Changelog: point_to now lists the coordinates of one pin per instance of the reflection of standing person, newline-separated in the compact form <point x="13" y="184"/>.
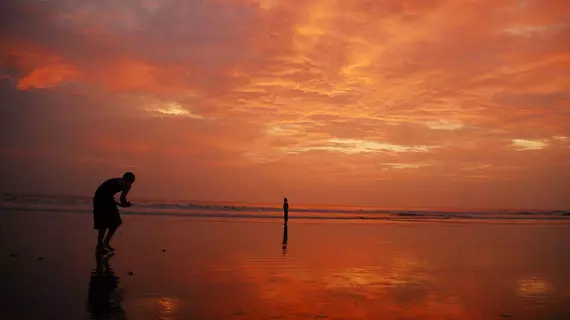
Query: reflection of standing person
<point x="285" y="210"/>
<point x="284" y="247"/>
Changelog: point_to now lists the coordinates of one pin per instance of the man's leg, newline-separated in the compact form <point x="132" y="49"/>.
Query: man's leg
<point x="108" y="238"/>
<point x="115" y="221"/>
<point x="100" y="236"/>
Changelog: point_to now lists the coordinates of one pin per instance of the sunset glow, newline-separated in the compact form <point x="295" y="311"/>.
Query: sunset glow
<point x="435" y="103"/>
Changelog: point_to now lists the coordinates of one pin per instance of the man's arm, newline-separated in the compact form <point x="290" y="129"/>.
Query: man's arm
<point x="123" y="198"/>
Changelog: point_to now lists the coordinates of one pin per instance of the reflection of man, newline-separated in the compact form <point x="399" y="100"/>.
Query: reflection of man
<point x="105" y="299"/>
<point x="285" y="210"/>
<point x="285" y="240"/>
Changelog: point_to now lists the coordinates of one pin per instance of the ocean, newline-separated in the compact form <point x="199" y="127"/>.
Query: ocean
<point x="212" y="210"/>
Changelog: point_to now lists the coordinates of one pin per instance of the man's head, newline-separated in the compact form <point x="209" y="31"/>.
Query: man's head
<point x="285" y="199"/>
<point x="129" y="177"/>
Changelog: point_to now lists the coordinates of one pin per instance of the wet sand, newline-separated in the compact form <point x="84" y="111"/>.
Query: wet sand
<point x="241" y="270"/>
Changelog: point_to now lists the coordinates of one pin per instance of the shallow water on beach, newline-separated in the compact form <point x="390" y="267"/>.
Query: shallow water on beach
<point x="184" y="268"/>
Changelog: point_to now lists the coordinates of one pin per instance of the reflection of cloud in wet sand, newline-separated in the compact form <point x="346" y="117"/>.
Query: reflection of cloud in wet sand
<point x="401" y="270"/>
<point x="168" y="305"/>
<point x="161" y="307"/>
<point x="396" y="287"/>
<point x="532" y="286"/>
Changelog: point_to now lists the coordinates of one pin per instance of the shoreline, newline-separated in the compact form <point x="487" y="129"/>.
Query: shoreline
<point x="299" y="207"/>
<point x="270" y="217"/>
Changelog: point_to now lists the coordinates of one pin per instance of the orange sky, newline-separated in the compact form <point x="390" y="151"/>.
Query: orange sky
<point x="434" y="103"/>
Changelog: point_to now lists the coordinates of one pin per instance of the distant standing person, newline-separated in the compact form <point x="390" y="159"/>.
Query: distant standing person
<point x="105" y="212"/>
<point x="285" y="210"/>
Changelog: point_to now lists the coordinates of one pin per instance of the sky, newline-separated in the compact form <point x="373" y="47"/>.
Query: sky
<point x="434" y="103"/>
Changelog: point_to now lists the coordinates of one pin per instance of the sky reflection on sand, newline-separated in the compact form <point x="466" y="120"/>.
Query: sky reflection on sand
<point x="214" y="270"/>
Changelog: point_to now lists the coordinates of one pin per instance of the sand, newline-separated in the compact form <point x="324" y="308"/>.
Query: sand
<point x="188" y="268"/>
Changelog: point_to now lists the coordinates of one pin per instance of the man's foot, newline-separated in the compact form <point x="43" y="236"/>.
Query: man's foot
<point x="108" y="247"/>
<point x="101" y="249"/>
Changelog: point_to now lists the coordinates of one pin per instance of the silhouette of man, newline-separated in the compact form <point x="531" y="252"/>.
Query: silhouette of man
<point x="105" y="211"/>
<point x="285" y="210"/>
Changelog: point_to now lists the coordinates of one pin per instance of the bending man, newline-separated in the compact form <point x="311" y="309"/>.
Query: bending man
<point x="105" y="211"/>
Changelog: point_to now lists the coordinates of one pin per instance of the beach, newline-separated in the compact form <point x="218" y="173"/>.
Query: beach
<point x="175" y="267"/>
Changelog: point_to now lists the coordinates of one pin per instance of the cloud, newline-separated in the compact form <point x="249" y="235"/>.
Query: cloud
<point x="444" y="125"/>
<point x="173" y="109"/>
<point x="404" y="165"/>
<point x="523" y="144"/>
<point x="362" y="146"/>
